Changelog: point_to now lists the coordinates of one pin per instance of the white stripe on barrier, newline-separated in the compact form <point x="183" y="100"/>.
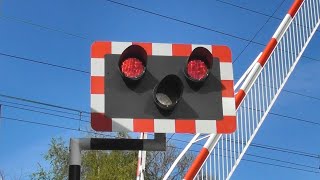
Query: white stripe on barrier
<point x="119" y="47"/>
<point x="206" y="126"/>
<point x="97" y="67"/>
<point x="97" y="103"/>
<point x="122" y="124"/>
<point x="282" y="27"/>
<point x="228" y="106"/>
<point x="161" y="49"/>
<point x="226" y="71"/>
<point x="162" y="125"/>
<point x="251" y="77"/>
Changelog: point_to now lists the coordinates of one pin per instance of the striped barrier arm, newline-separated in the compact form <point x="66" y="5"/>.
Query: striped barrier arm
<point x="221" y="154"/>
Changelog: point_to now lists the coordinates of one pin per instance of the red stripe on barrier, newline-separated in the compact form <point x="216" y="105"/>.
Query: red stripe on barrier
<point x="267" y="51"/>
<point x="239" y="97"/>
<point x="185" y="126"/>
<point x="227" y="88"/>
<point x="222" y="52"/>
<point x="143" y="125"/>
<point x="97" y="84"/>
<point x="146" y="46"/>
<point x="226" y="125"/>
<point x="181" y="49"/>
<point x="99" y="122"/>
<point x="197" y="164"/>
<point x="294" y="8"/>
<point x="100" y="49"/>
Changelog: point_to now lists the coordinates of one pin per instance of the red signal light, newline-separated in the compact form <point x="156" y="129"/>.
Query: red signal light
<point x="133" y="64"/>
<point x="197" y="69"/>
<point x="132" y="68"/>
<point x="198" y="66"/>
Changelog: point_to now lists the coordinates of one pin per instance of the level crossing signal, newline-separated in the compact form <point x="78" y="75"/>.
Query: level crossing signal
<point x="162" y="88"/>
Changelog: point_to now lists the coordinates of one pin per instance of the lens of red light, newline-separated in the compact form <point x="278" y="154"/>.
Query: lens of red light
<point x="132" y="68"/>
<point x="197" y="69"/>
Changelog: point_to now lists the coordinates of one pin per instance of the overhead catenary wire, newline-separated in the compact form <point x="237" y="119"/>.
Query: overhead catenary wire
<point x="37" y="107"/>
<point x="46" y="113"/>
<point x="250" y="10"/>
<point x="87" y="72"/>
<point x="42" y="26"/>
<point x="191" y="24"/>
<point x="75" y="110"/>
<point x="90" y="132"/>
<point x="43" y="103"/>
<point x="256" y="34"/>
<point x="171" y="138"/>
<point x="43" y="63"/>
<point x="313" y="169"/>
<point x="254" y="145"/>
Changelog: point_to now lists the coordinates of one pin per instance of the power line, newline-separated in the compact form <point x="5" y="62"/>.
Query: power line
<point x="191" y="24"/>
<point x="253" y="144"/>
<point x="253" y="11"/>
<point x="153" y="13"/>
<point x="41" y="112"/>
<point x="43" y="63"/>
<point x="47" y="109"/>
<point x="285" y="150"/>
<point x="171" y="138"/>
<point x="277" y="165"/>
<point x="178" y="20"/>
<point x="42" y="26"/>
<point x="255" y="35"/>
<point x="282" y="161"/>
<point x="42" y="103"/>
<point x="247" y="9"/>
<point x="271" y="164"/>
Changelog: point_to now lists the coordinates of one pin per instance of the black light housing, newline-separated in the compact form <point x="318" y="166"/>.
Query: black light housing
<point x="132" y="63"/>
<point x="198" y="66"/>
<point x="168" y="92"/>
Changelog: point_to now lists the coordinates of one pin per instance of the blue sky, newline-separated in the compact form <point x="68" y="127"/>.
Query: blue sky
<point x="22" y="33"/>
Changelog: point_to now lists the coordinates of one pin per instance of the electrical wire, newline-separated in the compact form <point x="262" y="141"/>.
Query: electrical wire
<point x="192" y="24"/>
<point x="253" y="144"/>
<point x="41" y="112"/>
<point x="271" y="164"/>
<point x="283" y="166"/>
<point x="90" y="132"/>
<point x="43" y="63"/>
<point x="42" y="26"/>
<point x="253" y="11"/>
<point x="36" y="107"/>
<point x="42" y="103"/>
<point x="256" y="34"/>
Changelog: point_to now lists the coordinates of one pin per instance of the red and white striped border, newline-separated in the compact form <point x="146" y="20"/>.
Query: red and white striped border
<point x="257" y="68"/>
<point x="100" y="122"/>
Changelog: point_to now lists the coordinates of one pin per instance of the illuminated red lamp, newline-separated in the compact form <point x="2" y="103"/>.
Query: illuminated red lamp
<point x="197" y="69"/>
<point x="132" y="68"/>
<point x="198" y="65"/>
<point x="133" y="63"/>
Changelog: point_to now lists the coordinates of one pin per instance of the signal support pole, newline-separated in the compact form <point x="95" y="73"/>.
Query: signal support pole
<point x="77" y="145"/>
